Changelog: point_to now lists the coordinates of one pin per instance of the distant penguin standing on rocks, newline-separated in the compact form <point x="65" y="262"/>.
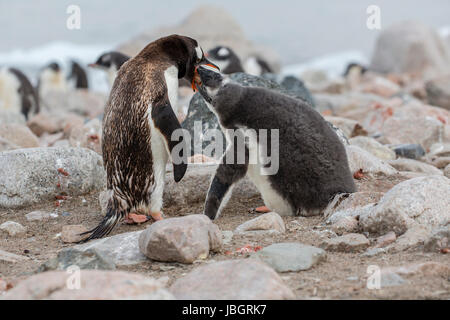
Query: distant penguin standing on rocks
<point x="17" y="94"/>
<point x="137" y="129"/>
<point x="256" y="66"/>
<point x="226" y="59"/>
<point x="310" y="166"/>
<point x="78" y="76"/>
<point x="51" y="78"/>
<point x="110" y="62"/>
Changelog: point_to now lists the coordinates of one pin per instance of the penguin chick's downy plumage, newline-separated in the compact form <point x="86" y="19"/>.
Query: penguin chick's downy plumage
<point x="312" y="162"/>
<point x="79" y="76"/>
<point x="51" y="78"/>
<point x="17" y="94"/>
<point x="138" y="126"/>
<point x="226" y="59"/>
<point x="110" y="62"/>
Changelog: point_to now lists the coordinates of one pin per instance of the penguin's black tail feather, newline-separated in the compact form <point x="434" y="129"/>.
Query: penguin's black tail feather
<point x="105" y="226"/>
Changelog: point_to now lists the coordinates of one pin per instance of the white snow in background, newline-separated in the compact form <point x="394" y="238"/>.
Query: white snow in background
<point x="333" y="64"/>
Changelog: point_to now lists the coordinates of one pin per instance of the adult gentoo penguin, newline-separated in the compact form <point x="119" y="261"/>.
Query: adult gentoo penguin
<point x="78" y="75"/>
<point x="226" y="59"/>
<point x="17" y="94"/>
<point x="301" y="176"/>
<point x="138" y="126"/>
<point x="110" y="62"/>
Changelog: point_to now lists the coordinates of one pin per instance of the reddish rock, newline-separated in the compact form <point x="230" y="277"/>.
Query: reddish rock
<point x="183" y="239"/>
<point x="246" y="279"/>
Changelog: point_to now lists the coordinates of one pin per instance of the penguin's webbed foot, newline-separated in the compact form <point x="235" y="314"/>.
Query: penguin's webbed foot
<point x="262" y="209"/>
<point x="133" y="218"/>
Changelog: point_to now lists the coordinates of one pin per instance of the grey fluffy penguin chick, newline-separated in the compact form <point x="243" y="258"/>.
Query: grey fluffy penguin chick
<point x="311" y="165"/>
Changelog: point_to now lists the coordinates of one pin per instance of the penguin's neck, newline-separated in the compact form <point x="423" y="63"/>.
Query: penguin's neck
<point x="171" y="77"/>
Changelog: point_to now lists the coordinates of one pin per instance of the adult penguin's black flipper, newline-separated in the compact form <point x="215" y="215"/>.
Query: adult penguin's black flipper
<point x="167" y="123"/>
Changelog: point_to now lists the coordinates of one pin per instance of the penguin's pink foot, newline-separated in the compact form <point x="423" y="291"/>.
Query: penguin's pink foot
<point x="263" y="209"/>
<point x="134" y="218"/>
<point x="156" y="215"/>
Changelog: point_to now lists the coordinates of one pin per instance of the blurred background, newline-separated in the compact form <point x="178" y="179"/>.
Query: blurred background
<point x="34" y="33"/>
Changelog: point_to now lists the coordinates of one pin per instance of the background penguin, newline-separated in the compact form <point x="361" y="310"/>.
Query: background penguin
<point x="226" y="59"/>
<point x="110" y="62"/>
<point x="51" y="78"/>
<point x="138" y="126"/>
<point x="78" y="75"/>
<point x="354" y="67"/>
<point x="17" y="94"/>
<point x="256" y="66"/>
<point x="313" y="165"/>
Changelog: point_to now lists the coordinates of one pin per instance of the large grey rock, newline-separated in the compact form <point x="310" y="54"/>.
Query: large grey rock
<point x="247" y="279"/>
<point x="198" y="112"/>
<point x="83" y="259"/>
<point x="359" y="159"/>
<point x="410" y="47"/>
<point x="424" y="201"/>
<point x="297" y="88"/>
<point x="183" y="239"/>
<point x="29" y="176"/>
<point x="286" y="257"/>
<point x="121" y="249"/>
<point x="93" y="285"/>
<point x="447" y="171"/>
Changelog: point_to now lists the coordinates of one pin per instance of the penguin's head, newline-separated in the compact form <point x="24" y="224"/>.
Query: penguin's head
<point x="354" y="67"/>
<point x="226" y="59"/>
<point x="111" y="59"/>
<point x="186" y="53"/>
<point x="208" y="83"/>
<point x="53" y="66"/>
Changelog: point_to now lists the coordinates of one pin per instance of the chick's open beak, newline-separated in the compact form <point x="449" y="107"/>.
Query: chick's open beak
<point x="196" y="79"/>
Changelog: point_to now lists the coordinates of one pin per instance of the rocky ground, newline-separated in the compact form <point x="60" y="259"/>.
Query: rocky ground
<point x="389" y="240"/>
